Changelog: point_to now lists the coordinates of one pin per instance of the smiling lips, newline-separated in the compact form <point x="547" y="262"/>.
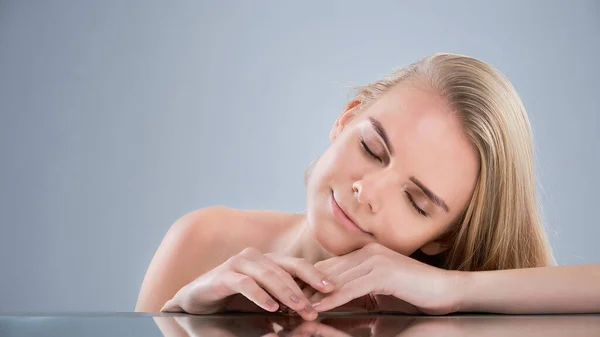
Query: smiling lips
<point x="342" y="218"/>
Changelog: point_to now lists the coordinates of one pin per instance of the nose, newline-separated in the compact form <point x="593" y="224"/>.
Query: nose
<point x="371" y="189"/>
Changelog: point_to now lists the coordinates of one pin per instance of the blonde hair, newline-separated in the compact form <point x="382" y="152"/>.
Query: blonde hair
<point x="501" y="228"/>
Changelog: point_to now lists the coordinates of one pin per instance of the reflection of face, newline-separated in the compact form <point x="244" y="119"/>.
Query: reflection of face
<point x="392" y="197"/>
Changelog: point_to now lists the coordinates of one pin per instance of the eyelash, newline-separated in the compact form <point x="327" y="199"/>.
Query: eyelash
<point x="374" y="156"/>
<point x="420" y="211"/>
<point x="369" y="152"/>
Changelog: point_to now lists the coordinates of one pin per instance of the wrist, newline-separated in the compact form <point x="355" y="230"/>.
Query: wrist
<point x="461" y="281"/>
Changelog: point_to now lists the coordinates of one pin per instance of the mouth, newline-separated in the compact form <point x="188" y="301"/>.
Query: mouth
<point x="342" y="217"/>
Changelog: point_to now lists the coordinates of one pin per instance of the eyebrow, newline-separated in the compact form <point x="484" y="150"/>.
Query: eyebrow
<point x="436" y="200"/>
<point x="381" y="131"/>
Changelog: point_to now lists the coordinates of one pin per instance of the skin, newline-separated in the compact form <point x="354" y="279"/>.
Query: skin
<point x="428" y="144"/>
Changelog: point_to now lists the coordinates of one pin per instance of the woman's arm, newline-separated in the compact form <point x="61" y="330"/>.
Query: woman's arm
<point x="396" y="280"/>
<point x="563" y="289"/>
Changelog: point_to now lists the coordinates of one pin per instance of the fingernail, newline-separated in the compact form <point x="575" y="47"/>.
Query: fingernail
<point x="271" y="303"/>
<point x="316" y="304"/>
<point x="295" y="298"/>
<point x="326" y="282"/>
<point x="309" y="309"/>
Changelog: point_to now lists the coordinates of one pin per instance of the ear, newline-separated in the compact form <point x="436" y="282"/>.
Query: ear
<point x="346" y="116"/>
<point x="434" y="247"/>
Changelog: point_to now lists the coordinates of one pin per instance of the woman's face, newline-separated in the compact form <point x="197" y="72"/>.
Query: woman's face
<point x="402" y="170"/>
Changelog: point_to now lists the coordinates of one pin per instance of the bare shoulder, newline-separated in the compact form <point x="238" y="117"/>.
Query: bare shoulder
<point x="230" y="226"/>
<point x="214" y="233"/>
<point x="205" y="222"/>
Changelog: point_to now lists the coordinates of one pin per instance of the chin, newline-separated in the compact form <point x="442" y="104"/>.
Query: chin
<point x="329" y="235"/>
<point x="336" y="249"/>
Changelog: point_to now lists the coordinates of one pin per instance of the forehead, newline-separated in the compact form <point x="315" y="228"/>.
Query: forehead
<point x="429" y="142"/>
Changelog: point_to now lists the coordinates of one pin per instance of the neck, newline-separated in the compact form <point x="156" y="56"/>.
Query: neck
<point x="300" y="242"/>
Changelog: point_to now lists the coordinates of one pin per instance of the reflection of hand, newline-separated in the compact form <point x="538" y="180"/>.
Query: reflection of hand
<point x="257" y="277"/>
<point x="316" y="329"/>
<point x="280" y="326"/>
<point x="394" y="282"/>
<point x="379" y="326"/>
<point x="363" y="326"/>
<point x="323" y="326"/>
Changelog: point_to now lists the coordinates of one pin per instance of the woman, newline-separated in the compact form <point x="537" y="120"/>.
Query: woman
<point x="434" y="162"/>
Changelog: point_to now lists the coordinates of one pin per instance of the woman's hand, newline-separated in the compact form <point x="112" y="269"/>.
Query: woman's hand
<point x="261" y="278"/>
<point x="394" y="282"/>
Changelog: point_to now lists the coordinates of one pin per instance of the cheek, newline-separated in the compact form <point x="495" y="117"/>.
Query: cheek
<point x="335" y="162"/>
<point x="403" y="233"/>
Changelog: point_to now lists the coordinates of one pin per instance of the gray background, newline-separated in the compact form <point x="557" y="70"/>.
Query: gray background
<point x="117" y="117"/>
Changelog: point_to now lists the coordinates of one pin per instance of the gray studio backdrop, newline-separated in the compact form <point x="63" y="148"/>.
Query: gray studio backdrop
<point x="117" y="117"/>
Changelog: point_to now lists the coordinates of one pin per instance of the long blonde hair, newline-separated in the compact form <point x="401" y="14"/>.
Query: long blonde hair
<point x="501" y="228"/>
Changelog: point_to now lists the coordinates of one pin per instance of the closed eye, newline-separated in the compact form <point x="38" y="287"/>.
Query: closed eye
<point x="414" y="205"/>
<point x="368" y="151"/>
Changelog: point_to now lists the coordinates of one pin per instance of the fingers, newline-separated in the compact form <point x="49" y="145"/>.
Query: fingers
<point x="339" y="264"/>
<point x="348" y="274"/>
<point x="306" y="273"/>
<point x="347" y="292"/>
<point x="356" y="256"/>
<point x="268" y="279"/>
<point x="276" y="281"/>
<point x="349" y="267"/>
<point x="325" y="264"/>
<point x="248" y="287"/>
<point x="343" y="278"/>
<point x="275" y="274"/>
<point x="303" y="270"/>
